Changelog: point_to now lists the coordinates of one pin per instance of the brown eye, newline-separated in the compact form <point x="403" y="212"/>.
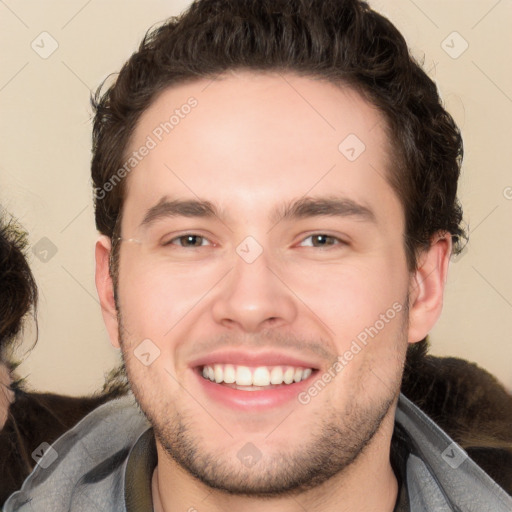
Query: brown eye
<point x="188" y="240"/>
<point x="322" y="240"/>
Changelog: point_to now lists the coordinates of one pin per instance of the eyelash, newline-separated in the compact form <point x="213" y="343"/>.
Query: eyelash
<point x="338" y="240"/>
<point x="169" y="242"/>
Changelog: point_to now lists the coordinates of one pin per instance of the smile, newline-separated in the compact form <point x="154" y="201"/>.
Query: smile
<point x="253" y="388"/>
<point x="252" y="378"/>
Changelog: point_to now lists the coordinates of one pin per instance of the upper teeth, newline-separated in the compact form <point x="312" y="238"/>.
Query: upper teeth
<point x="255" y="376"/>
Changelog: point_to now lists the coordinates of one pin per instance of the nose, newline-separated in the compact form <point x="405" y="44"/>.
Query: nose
<point x="254" y="297"/>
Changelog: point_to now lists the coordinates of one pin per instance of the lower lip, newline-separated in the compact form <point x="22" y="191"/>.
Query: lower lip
<point x="253" y="400"/>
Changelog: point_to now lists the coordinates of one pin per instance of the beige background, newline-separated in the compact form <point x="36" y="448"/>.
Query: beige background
<point x="45" y="155"/>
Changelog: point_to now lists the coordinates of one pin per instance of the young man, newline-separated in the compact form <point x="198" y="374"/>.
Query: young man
<point x="275" y="187"/>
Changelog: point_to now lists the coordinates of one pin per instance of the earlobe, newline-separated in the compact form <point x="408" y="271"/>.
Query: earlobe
<point x="427" y="287"/>
<point x="105" y="288"/>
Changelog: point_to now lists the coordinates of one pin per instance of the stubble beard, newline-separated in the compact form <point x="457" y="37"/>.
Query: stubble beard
<point x="334" y="442"/>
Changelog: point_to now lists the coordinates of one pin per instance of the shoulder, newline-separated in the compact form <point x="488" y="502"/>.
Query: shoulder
<point x="439" y="472"/>
<point x="84" y="468"/>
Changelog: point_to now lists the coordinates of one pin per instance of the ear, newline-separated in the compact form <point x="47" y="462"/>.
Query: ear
<point x="427" y="286"/>
<point x="105" y="288"/>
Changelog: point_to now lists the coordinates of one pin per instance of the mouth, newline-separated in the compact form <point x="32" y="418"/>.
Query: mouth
<point x="254" y="378"/>
<point x="253" y="388"/>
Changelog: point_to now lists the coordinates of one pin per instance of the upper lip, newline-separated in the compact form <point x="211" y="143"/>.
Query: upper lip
<point x="244" y="358"/>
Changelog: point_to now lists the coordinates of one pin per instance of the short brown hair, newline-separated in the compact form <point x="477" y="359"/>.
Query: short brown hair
<point x="342" y="41"/>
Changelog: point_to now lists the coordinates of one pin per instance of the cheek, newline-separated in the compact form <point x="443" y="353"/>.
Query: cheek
<point x="352" y="295"/>
<point x="154" y="296"/>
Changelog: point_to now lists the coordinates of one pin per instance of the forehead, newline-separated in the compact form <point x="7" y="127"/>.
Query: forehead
<point x="248" y="141"/>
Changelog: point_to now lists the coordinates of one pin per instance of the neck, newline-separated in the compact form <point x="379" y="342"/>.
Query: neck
<point x="6" y="393"/>
<point x="370" y="476"/>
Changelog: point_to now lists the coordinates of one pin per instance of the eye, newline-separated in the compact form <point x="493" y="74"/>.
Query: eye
<point x="322" y="240"/>
<point x="188" y="240"/>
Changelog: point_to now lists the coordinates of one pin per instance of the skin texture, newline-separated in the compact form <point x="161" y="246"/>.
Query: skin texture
<point x="252" y="144"/>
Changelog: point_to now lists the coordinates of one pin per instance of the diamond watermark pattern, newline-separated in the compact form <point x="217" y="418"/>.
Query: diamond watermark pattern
<point x="146" y="352"/>
<point x="454" y="455"/>
<point x="45" y="455"/>
<point x="249" y="249"/>
<point x="351" y="147"/>
<point x="44" y="45"/>
<point x="454" y="45"/>
<point x="249" y="455"/>
<point x="45" y="249"/>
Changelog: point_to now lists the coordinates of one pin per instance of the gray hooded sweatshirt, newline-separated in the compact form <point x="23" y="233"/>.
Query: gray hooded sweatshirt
<point x="105" y="463"/>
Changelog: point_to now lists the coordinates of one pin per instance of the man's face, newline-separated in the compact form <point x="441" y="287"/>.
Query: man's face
<point x="247" y="287"/>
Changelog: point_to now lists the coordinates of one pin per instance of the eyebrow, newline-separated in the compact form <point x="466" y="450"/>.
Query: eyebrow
<point x="179" y="208"/>
<point x="323" y="206"/>
<point x="302" y="208"/>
